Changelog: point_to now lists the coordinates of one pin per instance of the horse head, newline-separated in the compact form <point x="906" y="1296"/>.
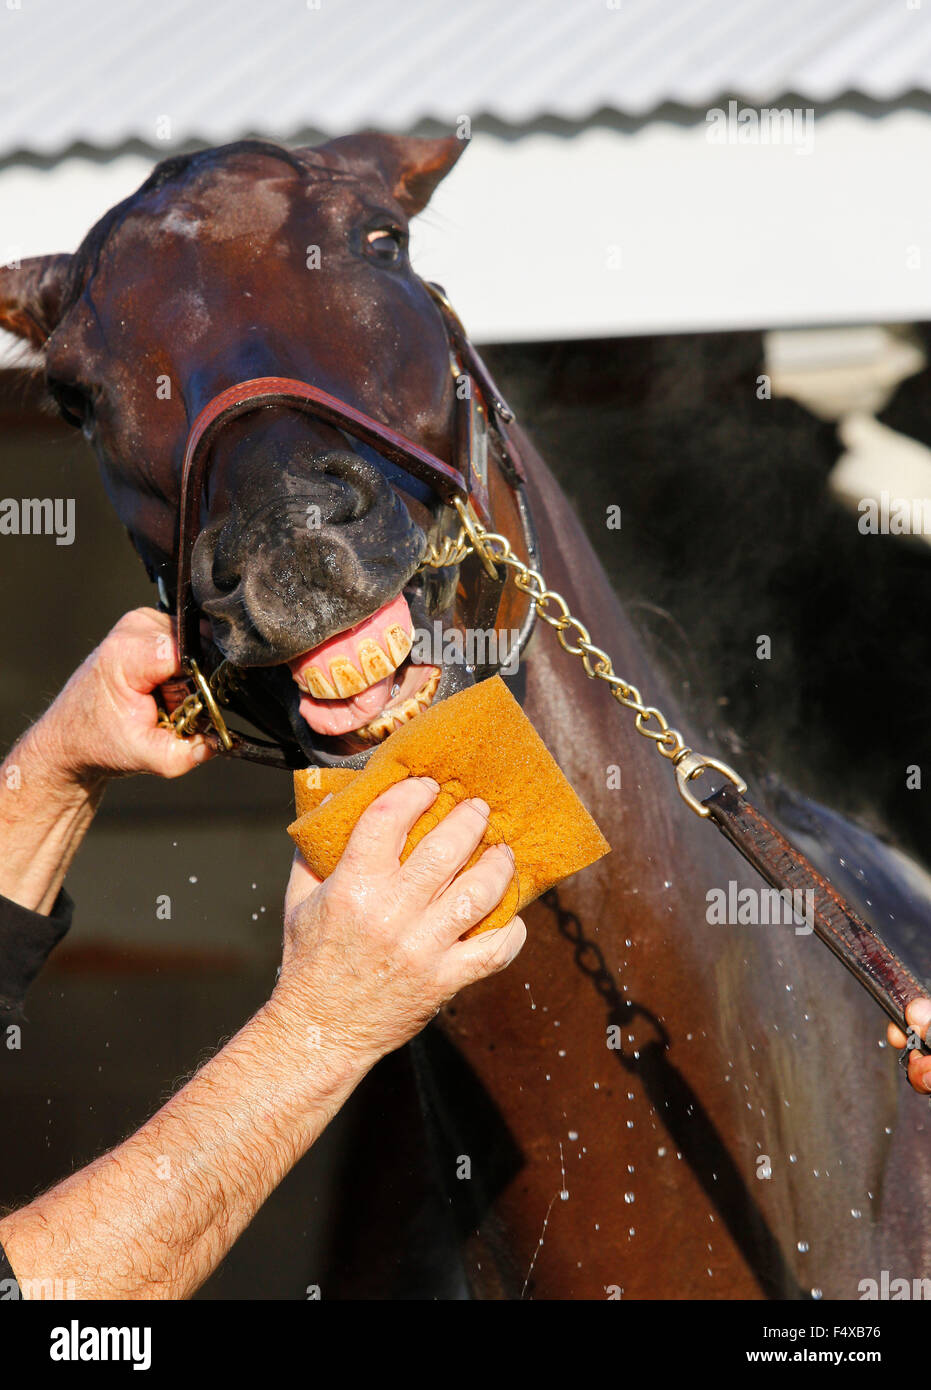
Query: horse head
<point x="249" y="261"/>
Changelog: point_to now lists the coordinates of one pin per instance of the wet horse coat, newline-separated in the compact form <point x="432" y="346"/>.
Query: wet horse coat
<point x="644" y="1098"/>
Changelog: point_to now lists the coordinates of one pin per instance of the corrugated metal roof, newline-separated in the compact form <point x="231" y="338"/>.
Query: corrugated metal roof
<point x="102" y="72"/>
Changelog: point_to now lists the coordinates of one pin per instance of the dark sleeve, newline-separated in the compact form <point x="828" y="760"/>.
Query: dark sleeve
<point x="26" y="938"/>
<point x="8" y="1282"/>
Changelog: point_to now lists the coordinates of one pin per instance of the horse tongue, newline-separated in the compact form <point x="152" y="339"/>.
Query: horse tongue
<point x="336" y="717"/>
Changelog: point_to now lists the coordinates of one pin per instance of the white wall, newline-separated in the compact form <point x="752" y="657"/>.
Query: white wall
<point x="707" y="236"/>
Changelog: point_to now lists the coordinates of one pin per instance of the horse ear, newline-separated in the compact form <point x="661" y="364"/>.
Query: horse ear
<point x="31" y="296"/>
<point x="410" y="165"/>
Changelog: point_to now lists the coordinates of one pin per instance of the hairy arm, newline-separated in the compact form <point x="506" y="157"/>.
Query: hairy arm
<point x="154" y="1217"/>
<point x="43" y="819"/>
<point x="369" y="958"/>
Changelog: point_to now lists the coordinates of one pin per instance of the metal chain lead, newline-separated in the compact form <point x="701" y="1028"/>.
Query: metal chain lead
<point x="571" y="634"/>
<point x="205" y="700"/>
<point x="574" y="637"/>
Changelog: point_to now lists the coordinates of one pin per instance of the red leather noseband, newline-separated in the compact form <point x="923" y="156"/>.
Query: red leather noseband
<point x="448" y="482"/>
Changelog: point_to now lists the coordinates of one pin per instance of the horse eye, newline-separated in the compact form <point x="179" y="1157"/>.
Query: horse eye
<point x="73" y="403"/>
<point x="385" y="245"/>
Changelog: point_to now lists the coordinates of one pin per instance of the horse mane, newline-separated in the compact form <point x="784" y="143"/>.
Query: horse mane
<point x="85" y="260"/>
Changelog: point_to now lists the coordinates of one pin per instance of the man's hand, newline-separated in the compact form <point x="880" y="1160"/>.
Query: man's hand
<point x="372" y="954"/>
<point x="105" y="722"/>
<point x="918" y="1017"/>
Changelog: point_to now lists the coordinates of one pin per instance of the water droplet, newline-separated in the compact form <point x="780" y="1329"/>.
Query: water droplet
<point x="628" y="1197"/>
<point x="816" y="1293"/>
<point x="573" y="1134"/>
<point x="793" y="1158"/>
<point x="193" y="878"/>
<point x="856" y="1213"/>
<point x="661" y="1152"/>
<point x="802" y="1247"/>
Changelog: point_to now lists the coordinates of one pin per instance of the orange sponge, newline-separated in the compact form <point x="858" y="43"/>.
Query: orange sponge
<point x="313" y="784"/>
<point x="480" y="743"/>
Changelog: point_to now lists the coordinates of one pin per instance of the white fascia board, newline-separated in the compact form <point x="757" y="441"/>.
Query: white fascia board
<point x="607" y="234"/>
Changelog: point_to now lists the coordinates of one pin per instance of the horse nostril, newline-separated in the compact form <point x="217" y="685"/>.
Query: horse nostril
<point x="342" y="500"/>
<point x="225" y="573"/>
<point x="225" y="584"/>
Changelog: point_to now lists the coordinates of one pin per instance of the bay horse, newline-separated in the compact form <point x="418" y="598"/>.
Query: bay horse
<point x="647" y="1104"/>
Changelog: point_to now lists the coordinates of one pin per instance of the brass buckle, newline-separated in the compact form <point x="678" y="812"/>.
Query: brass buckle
<point x="209" y="701"/>
<point x="689" y="766"/>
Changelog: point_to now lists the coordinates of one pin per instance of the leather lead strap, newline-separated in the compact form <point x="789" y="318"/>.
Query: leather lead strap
<point x="854" y="943"/>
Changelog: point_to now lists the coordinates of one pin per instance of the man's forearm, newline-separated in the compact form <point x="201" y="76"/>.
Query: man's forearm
<point x="154" y="1217"/>
<point x="44" y="816"/>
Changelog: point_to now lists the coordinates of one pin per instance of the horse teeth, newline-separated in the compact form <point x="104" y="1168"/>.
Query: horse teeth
<point x="424" y="696"/>
<point x="398" y="642"/>
<point x="318" y="685"/>
<point x="379" y="728"/>
<point x="389" y="720"/>
<point x="374" y="662"/>
<point x="346" y="678"/>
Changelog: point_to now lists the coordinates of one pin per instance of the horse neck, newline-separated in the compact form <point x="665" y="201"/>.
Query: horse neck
<point x="587" y="731"/>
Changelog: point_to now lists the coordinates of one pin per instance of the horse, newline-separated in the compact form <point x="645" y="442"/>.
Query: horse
<point x="649" y="1103"/>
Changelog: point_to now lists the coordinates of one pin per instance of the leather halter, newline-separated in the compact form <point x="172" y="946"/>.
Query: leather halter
<point x="481" y="409"/>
